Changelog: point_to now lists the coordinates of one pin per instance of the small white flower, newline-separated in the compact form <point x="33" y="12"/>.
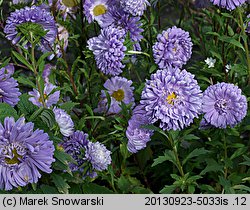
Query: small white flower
<point x="210" y="62"/>
<point x="228" y="67"/>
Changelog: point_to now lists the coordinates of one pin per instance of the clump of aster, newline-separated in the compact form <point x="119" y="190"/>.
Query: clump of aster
<point x="134" y="7"/>
<point x="64" y="121"/>
<point x="49" y="97"/>
<point x="173" y="98"/>
<point x="64" y="7"/>
<point x="9" y="91"/>
<point x="138" y="136"/>
<point x="98" y="155"/>
<point x="228" y="4"/>
<point x="23" y="153"/>
<point x="29" y="18"/>
<point x="223" y="105"/>
<point x="174" y="48"/>
<point x="98" y="10"/>
<point x="109" y="50"/>
<point x="120" y="90"/>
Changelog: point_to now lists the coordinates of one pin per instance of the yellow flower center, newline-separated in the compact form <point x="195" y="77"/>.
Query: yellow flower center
<point x="44" y="96"/>
<point x="118" y="95"/>
<point x="15" y="159"/>
<point x="69" y="3"/>
<point x="171" y="97"/>
<point x="99" y="10"/>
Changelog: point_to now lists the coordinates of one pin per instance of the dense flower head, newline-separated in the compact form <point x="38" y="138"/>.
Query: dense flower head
<point x="64" y="121"/>
<point x="49" y="97"/>
<point x="23" y="153"/>
<point x="134" y="7"/>
<point x="109" y="50"/>
<point x="174" y="48"/>
<point x="36" y="15"/>
<point x="228" y="4"/>
<point x="98" y="10"/>
<point x="9" y="91"/>
<point x="75" y="146"/>
<point x="172" y="97"/>
<point x="138" y="136"/>
<point x="98" y="155"/>
<point x="120" y="90"/>
<point x="223" y="105"/>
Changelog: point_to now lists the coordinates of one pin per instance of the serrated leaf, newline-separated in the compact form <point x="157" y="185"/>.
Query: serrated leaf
<point x="68" y="106"/>
<point x="7" y="111"/>
<point x="212" y="165"/>
<point x="60" y="184"/>
<point x="48" y="117"/>
<point x="25" y="106"/>
<point x="168" y="156"/>
<point x="196" y="152"/>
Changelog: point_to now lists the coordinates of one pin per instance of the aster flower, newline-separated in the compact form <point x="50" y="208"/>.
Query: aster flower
<point x="98" y="155"/>
<point x="98" y="10"/>
<point x="120" y="90"/>
<point x="9" y="91"/>
<point x="23" y="153"/>
<point x="228" y="4"/>
<point x="210" y="62"/>
<point x="49" y="98"/>
<point x="64" y="7"/>
<point x="138" y="136"/>
<point x="172" y="97"/>
<point x="134" y="7"/>
<point x="224" y="105"/>
<point x="37" y="16"/>
<point x="46" y="72"/>
<point x="64" y="121"/>
<point x="109" y="50"/>
<point x="75" y="146"/>
<point x="174" y="47"/>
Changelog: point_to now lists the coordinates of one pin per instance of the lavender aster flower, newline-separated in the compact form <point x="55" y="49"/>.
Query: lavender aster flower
<point x="120" y="90"/>
<point x="174" y="47"/>
<point x="64" y="121"/>
<point x="172" y="97"/>
<point x="98" y="155"/>
<point x="228" y="4"/>
<point x="33" y="15"/>
<point x="109" y="50"/>
<point x="98" y="10"/>
<point x="46" y="72"/>
<point x="49" y="98"/>
<point x="137" y="136"/>
<point x="75" y="146"/>
<point x="134" y="7"/>
<point x="224" y="105"/>
<point x="9" y="92"/>
<point x="23" y="153"/>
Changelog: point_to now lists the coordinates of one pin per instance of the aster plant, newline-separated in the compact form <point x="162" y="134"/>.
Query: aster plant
<point x="24" y="153"/>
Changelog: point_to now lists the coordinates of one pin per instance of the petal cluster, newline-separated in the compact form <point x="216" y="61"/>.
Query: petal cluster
<point x="228" y="4"/>
<point x="134" y="7"/>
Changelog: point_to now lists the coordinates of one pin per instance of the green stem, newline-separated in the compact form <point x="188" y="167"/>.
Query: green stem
<point x="245" y="42"/>
<point x="225" y="155"/>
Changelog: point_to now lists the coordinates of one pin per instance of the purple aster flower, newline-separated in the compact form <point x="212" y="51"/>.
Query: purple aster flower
<point x="75" y="146"/>
<point x="172" y="97"/>
<point x="46" y="72"/>
<point x="174" y="48"/>
<point x="120" y="90"/>
<point x="35" y="15"/>
<point x="23" y="153"/>
<point x="138" y="136"/>
<point x="64" y="7"/>
<point x="98" y="155"/>
<point x="228" y="4"/>
<point x="134" y="7"/>
<point x="50" y="98"/>
<point x="224" y="105"/>
<point x="9" y="91"/>
<point x="109" y="50"/>
<point x="64" y="121"/>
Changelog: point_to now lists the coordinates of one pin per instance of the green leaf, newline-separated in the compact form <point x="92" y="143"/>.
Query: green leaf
<point x="60" y="183"/>
<point x="42" y="58"/>
<point x="68" y="106"/>
<point x="212" y="165"/>
<point x="92" y="188"/>
<point x="48" y="117"/>
<point x="241" y="187"/>
<point x="238" y="152"/>
<point x="26" y="81"/>
<point x="196" y="152"/>
<point x="246" y="162"/>
<point x="168" y="189"/>
<point x="232" y="41"/>
<point x="7" y="111"/>
<point x="46" y="189"/>
<point x="168" y="156"/>
<point x="22" y="59"/>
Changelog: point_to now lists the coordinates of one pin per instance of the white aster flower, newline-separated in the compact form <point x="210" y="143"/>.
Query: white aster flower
<point x="228" y="67"/>
<point x="210" y="62"/>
